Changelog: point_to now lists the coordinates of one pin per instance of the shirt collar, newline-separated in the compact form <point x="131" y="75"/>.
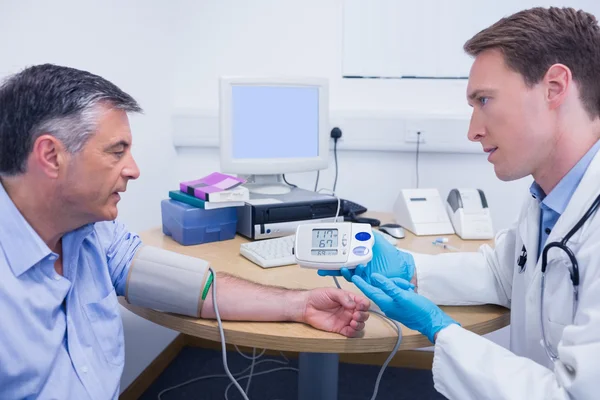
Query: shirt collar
<point x="23" y="247"/>
<point x="558" y="199"/>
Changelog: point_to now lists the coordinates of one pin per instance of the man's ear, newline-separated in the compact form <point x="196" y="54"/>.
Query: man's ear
<point x="49" y="155"/>
<point x="557" y="82"/>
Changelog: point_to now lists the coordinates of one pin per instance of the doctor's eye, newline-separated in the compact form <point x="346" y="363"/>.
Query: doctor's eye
<point x="483" y="100"/>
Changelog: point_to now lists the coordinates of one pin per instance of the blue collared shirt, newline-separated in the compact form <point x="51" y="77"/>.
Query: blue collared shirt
<point x="553" y="205"/>
<point x="61" y="337"/>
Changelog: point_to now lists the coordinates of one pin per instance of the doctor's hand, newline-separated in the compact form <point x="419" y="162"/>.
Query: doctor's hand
<point x="387" y="261"/>
<point x="398" y="301"/>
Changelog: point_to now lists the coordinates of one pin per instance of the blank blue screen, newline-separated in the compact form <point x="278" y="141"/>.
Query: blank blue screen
<point x="275" y="122"/>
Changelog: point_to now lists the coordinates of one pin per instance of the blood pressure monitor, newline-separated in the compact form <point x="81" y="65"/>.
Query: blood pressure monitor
<point x="333" y="245"/>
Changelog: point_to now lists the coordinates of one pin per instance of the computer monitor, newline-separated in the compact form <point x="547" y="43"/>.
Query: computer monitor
<point x="270" y="126"/>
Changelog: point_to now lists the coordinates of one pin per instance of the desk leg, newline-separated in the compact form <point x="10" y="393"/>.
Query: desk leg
<point x="318" y="376"/>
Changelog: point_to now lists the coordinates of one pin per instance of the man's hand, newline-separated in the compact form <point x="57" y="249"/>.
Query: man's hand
<point x="335" y="310"/>
<point x="398" y="301"/>
<point x="387" y="261"/>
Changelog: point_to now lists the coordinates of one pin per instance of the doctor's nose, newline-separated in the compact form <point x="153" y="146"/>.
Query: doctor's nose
<point x="476" y="128"/>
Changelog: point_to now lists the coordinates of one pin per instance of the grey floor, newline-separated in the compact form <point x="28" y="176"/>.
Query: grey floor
<point x="355" y="381"/>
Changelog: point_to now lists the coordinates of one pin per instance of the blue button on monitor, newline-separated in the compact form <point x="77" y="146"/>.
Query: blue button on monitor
<point x="363" y="236"/>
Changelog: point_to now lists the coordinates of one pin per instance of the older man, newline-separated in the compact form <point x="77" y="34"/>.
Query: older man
<point x="65" y="157"/>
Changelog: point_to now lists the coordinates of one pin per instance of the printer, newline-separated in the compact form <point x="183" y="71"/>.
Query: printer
<point x="470" y="215"/>
<point x="274" y="215"/>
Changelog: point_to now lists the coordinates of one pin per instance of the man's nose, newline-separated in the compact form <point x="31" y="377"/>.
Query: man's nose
<point x="131" y="171"/>
<point x="476" y="127"/>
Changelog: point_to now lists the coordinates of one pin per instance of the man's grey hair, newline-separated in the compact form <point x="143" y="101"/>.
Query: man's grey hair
<point x="50" y="99"/>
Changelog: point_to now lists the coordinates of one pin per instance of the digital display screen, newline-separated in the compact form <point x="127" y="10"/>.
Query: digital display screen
<point x="325" y="238"/>
<point x="328" y="252"/>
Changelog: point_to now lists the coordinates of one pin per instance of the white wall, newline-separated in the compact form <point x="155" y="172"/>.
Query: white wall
<point x="129" y="44"/>
<point x="372" y="30"/>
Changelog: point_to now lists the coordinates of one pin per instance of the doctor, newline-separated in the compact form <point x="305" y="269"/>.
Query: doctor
<point x="535" y="91"/>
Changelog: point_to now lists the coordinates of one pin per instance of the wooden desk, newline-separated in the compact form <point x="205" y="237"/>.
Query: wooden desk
<point x="379" y="336"/>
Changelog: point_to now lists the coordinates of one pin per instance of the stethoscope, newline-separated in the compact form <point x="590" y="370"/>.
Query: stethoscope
<point x="573" y="271"/>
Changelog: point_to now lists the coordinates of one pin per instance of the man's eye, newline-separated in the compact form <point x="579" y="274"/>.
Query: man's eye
<point x="119" y="154"/>
<point x="483" y="100"/>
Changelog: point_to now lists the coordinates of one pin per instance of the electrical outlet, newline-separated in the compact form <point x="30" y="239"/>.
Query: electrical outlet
<point x="414" y="136"/>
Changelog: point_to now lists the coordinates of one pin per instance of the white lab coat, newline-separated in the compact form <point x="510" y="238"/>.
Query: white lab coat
<point x="468" y="366"/>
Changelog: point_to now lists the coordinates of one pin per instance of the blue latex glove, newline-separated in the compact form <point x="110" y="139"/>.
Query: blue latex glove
<point x="398" y="301"/>
<point x="387" y="260"/>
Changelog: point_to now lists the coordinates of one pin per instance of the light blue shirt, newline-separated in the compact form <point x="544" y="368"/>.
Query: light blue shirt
<point x="61" y="337"/>
<point x="554" y="204"/>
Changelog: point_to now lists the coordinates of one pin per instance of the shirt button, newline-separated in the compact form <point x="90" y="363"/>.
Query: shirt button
<point x="52" y="258"/>
<point x="84" y="369"/>
<point x="57" y="278"/>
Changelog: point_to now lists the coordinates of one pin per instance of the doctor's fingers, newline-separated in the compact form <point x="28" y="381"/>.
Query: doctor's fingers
<point x="344" y="271"/>
<point x="328" y="272"/>
<point x="375" y="294"/>
<point x="347" y="274"/>
<point x="388" y="286"/>
<point x="402" y="284"/>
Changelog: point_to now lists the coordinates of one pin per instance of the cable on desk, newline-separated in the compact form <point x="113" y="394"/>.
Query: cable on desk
<point x="394" y="350"/>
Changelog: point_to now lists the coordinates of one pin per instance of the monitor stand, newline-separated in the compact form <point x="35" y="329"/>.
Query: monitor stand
<point x="266" y="184"/>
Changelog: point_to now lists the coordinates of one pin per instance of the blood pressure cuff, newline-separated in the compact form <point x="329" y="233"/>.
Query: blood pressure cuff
<point x="167" y="281"/>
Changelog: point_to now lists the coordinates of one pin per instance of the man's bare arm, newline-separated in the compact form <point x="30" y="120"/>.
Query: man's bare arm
<point x="242" y="300"/>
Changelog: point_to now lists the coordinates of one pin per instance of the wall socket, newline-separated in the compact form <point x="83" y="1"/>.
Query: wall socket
<point x="413" y="136"/>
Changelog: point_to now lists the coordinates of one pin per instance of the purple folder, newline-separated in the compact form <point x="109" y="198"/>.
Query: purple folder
<point x="213" y="183"/>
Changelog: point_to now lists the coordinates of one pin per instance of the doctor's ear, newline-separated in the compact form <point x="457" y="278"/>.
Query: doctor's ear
<point x="557" y="82"/>
<point x="48" y="155"/>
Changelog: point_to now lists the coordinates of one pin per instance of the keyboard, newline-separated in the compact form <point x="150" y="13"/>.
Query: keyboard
<point x="352" y="208"/>
<point x="270" y="253"/>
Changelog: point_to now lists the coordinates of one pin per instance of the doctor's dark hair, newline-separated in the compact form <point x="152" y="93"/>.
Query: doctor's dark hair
<point x="535" y="39"/>
<point x="55" y="100"/>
